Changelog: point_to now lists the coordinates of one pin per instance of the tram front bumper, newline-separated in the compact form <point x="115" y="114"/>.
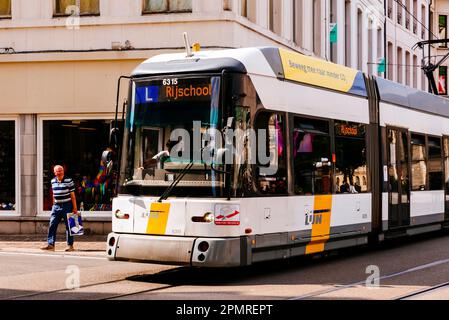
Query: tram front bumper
<point x="190" y="251"/>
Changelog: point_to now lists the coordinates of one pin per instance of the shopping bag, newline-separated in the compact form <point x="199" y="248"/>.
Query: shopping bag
<point x="75" y="223"/>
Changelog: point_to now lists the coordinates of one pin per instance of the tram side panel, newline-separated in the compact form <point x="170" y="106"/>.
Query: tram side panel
<point x="315" y="221"/>
<point x="419" y="202"/>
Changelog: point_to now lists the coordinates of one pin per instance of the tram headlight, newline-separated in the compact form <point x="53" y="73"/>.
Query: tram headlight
<point x="209" y="217"/>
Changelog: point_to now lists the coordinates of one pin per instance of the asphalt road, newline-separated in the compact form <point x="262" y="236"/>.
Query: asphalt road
<point x="412" y="269"/>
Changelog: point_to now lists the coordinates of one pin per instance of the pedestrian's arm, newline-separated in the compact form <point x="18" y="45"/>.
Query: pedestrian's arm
<point x="72" y="195"/>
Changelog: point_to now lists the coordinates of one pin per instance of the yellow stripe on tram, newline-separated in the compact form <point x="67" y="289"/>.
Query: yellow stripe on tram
<point x="157" y="222"/>
<point x="321" y="227"/>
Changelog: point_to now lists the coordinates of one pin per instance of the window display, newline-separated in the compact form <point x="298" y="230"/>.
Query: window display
<point x="77" y="145"/>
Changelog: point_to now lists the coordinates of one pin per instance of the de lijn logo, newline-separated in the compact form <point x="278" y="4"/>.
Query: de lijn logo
<point x="315" y="217"/>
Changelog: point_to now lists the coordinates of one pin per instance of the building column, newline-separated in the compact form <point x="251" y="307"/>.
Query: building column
<point x="354" y="34"/>
<point x="287" y="19"/>
<point x="308" y="25"/>
<point x="262" y="13"/>
<point x="341" y="22"/>
<point x="365" y="31"/>
<point x="375" y="48"/>
<point x="28" y="165"/>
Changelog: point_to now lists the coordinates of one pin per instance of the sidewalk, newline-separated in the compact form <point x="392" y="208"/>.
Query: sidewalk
<point x="92" y="246"/>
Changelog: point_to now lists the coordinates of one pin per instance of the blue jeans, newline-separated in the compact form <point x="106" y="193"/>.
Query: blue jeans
<point x="58" y="212"/>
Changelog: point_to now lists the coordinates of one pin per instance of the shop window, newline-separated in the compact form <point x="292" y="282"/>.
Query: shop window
<point x="157" y="6"/>
<point x="435" y="164"/>
<point x="272" y="176"/>
<point x="350" y="158"/>
<point x="85" y="7"/>
<point x="312" y="157"/>
<point x="5" y="8"/>
<point x="7" y="166"/>
<point x="78" y="145"/>
<point x="419" y="162"/>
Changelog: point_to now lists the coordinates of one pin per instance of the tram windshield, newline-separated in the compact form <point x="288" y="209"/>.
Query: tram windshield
<point x="164" y="138"/>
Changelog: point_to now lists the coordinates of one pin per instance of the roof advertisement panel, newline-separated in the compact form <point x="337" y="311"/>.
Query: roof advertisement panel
<point x="313" y="71"/>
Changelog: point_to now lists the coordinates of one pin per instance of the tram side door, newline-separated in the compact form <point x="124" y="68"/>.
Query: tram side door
<point x="446" y="176"/>
<point x="398" y="178"/>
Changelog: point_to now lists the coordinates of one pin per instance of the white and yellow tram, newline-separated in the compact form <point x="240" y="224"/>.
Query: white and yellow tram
<point x="356" y="159"/>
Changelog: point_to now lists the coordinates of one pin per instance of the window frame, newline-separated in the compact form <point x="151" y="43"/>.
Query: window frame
<point x="411" y="161"/>
<point x="441" y="161"/>
<point x="17" y="169"/>
<point x="89" y="14"/>
<point x="7" y="16"/>
<point x="40" y="157"/>
<point x="440" y="68"/>
<point x="286" y="130"/>
<point x="147" y="12"/>
<point x="444" y="44"/>
<point x="331" y="136"/>
<point x="365" y="139"/>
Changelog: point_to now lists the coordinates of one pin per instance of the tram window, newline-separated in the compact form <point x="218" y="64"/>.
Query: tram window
<point x="419" y="163"/>
<point x="350" y="158"/>
<point x="435" y="163"/>
<point x="312" y="157"/>
<point x="272" y="176"/>
<point x="446" y="165"/>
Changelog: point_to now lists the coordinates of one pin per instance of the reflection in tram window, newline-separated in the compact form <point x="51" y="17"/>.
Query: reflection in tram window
<point x="435" y="164"/>
<point x="446" y="166"/>
<point x="419" y="162"/>
<point x="312" y="157"/>
<point x="350" y="147"/>
<point x="273" y="183"/>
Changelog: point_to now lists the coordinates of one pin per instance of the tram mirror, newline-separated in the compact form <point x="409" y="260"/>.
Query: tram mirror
<point x="107" y="161"/>
<point x="114" y="138"/>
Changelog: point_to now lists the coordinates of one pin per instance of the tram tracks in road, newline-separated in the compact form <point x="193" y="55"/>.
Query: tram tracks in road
<point x="318" y="293"/>
<point x="139" y="284"/>
<point x="425" y="292"/>
<point x="36" y="295"/>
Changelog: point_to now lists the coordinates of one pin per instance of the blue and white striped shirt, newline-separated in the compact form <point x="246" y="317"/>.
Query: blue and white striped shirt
<point x="62" y="190"/>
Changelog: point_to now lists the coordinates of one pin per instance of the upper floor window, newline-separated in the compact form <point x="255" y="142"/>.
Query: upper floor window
<point x="81" y="7"/>
<point x="248" y="10"/>
<point x="5" y="8"/>
<point x="157" y="6"/>
<point x="442" y="29"/>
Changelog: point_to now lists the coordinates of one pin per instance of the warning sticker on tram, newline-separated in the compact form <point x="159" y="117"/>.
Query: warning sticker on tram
<point x="227" y="215"/>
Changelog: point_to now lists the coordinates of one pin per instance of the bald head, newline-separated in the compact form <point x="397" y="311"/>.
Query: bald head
<point x="59" y="172"/>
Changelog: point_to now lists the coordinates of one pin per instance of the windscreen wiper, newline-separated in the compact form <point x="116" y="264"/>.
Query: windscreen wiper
<point x="181" y="176"/>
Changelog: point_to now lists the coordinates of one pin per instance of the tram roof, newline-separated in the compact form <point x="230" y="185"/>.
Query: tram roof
<point x="399" y="94"/>
<point x="265" y="61"/>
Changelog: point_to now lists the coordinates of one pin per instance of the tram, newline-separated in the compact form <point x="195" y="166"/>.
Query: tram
<point x="324" y="158"/>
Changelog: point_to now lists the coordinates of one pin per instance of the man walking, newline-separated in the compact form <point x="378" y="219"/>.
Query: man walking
<point x="64" y="201"/>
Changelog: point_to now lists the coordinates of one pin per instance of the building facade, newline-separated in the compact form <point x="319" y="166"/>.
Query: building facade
<point x="60" y="61"/>
<point x="440" y="11"/>
<point x="407" y="23"/>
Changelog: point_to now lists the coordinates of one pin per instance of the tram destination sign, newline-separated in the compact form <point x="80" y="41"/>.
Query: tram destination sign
<point x="174" y="90"/>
